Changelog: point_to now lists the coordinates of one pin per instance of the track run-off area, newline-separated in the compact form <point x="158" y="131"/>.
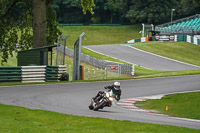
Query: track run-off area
<point x="74" y="98"/>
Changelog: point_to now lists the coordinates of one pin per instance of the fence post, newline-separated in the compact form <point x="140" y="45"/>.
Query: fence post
<point x="88" y="74"/>
<point x="69" y="70"/>
<point x="133" y="70"/>
<point x="105" y="73"/>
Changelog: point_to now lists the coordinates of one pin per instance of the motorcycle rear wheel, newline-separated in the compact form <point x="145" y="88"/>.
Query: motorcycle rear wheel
<point x="99" y="106"/>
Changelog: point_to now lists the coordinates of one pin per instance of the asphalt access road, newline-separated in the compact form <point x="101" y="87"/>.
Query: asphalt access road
<point x="138" y="57"/>
<point x="74" y="98"/>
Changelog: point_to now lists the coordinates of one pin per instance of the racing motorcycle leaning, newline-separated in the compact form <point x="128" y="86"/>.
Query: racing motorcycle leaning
<point x="105" y="100"/>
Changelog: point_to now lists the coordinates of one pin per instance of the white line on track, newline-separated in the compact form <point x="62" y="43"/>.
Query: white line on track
<point x="163" y="57"/>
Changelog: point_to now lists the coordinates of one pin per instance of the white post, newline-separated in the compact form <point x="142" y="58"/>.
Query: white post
<point x="142" y="30"/>
<point x="133" y="70"/>
<point x="152" y="27"/>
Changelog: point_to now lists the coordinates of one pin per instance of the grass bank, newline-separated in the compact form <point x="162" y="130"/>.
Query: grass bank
<point x="97" y="35"/>
<point x="19" y="119"/>
<point x="181" y="51"/>
<point x="176" y="107"/>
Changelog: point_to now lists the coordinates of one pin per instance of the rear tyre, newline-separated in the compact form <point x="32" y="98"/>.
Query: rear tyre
<point x="99" y="106"/>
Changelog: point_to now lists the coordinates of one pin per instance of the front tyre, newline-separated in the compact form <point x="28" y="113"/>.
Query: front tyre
<point x="91" y="107"/>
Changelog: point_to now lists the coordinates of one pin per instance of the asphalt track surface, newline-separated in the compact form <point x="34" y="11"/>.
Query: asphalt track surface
<point x="142" y="58"/>
<point x="74" y="98"/>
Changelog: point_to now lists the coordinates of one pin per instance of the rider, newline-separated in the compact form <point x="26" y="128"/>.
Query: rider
<point x="115" y="88"/>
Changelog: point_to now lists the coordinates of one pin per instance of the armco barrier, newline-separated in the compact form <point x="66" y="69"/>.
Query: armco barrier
<point x="104" y="24"/>
<point x="10" y="74"/>
<point x="29" y="74"/>
<point x="194" y="40"/>
<point x="71" y="24"/>
<point x="33" y="74"/>
<point x="54" y="73"/>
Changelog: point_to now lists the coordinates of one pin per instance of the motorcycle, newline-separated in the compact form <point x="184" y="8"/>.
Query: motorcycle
<point x="106" y="101"/>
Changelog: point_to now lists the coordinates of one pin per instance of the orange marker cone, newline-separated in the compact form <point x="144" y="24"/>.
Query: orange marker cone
<point x="166" y="108"/>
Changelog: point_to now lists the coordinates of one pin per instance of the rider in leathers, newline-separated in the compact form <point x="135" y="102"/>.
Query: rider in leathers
<point x="115" y="88"/>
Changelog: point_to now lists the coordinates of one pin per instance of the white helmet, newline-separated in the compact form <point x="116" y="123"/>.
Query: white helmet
<point x="116" y="85"/>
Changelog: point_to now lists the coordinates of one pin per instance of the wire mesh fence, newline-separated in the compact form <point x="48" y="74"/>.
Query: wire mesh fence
<point x="102" y="64"/>
<point x="101" y="69"/>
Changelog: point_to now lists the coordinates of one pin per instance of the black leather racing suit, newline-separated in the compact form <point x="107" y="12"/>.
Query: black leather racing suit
<point x="111" y="87"/>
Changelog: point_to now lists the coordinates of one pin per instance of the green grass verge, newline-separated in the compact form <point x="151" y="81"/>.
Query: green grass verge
<point x="97" y="35"/>
<point x="100" y="56"/>
<point x="176" y="107"/>
<point x="141" y="72"/>
<point x="19" y="119"/>
<point x="181" y="51"/>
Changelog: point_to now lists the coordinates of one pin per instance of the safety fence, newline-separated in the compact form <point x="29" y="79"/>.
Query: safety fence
<point x="10" y="74"/>
<point x="193" y="39"/>
<point x="54" y="73"/>
<point x="33" y="74"/>
<point x="177" y="38"/>
<point x="28" y="74"/>
<point x="102" y="64"/>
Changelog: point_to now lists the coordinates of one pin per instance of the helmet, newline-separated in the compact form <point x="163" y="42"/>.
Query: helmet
<point x="116" y="85"/>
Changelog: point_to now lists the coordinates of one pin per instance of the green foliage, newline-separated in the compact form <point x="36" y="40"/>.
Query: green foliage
<point x="150" y="11"/>
<point x="127" y="11"/>
<point x="16" y="27"/>
<point x="87" y="6"/>
<point x="52" y="26"/>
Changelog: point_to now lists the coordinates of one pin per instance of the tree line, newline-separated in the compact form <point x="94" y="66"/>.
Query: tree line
<point x="29" y="23"/>
<point x="34" y="23"/>
<point x="125" y="11"/>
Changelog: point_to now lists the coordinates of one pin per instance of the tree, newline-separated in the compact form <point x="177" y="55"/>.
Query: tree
<point x="150" y="11"/>
<point x="18" y="25"/>
<point x="112" y="6"/>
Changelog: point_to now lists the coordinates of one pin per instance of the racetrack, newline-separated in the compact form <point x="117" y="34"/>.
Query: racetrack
<point x="142" y="58"/>
<point x="74" y="98"/>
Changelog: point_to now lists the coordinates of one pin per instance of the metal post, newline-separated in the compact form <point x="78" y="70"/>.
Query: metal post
<point x="79" y="61"/>
<point x="142" y="30"/>
<point x="152" y="27"/>
<point x="172" y="18"/>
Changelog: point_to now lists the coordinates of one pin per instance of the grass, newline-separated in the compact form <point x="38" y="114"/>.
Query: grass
<point x="97" y="35"/>
<point x="181" y="51"/>
<point x="176" y="107"/>
<point x="141" y="72"/>
<point x="19" y="119"/>
<point x="12" y="61"/>
<point x="100" y="56"/>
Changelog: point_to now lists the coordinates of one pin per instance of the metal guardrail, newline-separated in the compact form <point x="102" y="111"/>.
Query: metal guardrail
<point x="33" y="74"/>
<point x="54" y="73"/>
<point x="10" y="74"/>
<point x="29" y="74"/>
